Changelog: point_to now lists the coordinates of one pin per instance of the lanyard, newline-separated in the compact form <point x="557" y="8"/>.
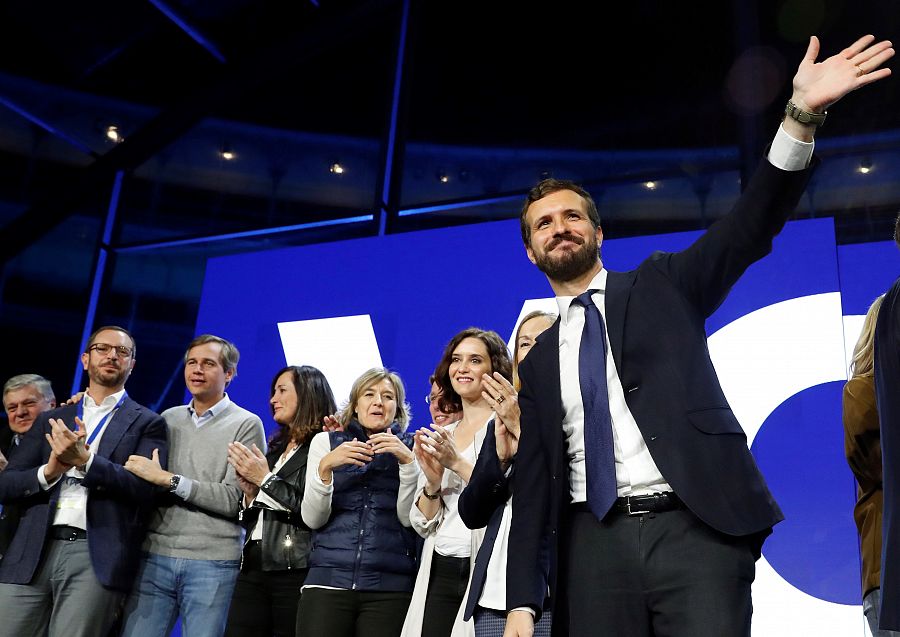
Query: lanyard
<point x="102" y="423"/>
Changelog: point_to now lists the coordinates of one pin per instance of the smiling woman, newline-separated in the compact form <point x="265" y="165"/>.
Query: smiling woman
<point x="359" y="488"/>
<point x="447" y="456"/>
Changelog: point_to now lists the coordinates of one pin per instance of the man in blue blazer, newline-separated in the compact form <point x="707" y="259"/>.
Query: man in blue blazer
<point x="638" y="505"/>
<point x="76" y="550"/>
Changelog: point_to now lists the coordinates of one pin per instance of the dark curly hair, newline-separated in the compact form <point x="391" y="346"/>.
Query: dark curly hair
<point x="450" y="401"/>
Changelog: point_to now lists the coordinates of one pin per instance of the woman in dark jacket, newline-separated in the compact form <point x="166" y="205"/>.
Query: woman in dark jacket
<point x="359" y="489"/>
<point x="275" y="559"/>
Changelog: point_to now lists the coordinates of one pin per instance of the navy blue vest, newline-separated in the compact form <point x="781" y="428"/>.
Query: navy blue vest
<point x="363" y="546"/>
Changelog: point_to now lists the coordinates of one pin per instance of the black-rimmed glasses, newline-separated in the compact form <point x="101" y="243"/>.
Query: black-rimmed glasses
<point x="104" y="348"/>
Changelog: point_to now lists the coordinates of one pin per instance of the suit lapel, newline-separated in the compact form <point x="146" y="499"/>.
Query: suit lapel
<point x="117" y="426"/>
<point x="618" y="290"/>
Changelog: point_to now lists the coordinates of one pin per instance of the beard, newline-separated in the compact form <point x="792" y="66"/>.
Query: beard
<point x="571" y="264"/>
<point x="107" y="377"/>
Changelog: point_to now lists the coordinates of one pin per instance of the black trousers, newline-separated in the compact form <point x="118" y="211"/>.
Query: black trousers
<point x="446" y="588"/>
<point x="264" y="603"/>
<point x="653" y="575"/>
<point x="325" y="612"/>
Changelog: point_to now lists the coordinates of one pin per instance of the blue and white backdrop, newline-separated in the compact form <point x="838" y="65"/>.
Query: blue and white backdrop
<point x="780" y="344"/>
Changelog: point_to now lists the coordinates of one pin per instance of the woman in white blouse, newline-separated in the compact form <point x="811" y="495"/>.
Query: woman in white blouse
<point x="446" y="457"/>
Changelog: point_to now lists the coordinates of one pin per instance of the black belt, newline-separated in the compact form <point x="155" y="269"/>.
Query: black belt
<point x="68" y="533"/>
<point x="639" y="504"/>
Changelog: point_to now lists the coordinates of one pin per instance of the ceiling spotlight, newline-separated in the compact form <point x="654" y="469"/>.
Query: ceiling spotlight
<point x="336" y="168"/>
<point x="650" y="185"/>
<point x="113" y="134"/>
<point x="865" y="166"/>
<point x="443" y="177"/>
<point x="227" y="153"/>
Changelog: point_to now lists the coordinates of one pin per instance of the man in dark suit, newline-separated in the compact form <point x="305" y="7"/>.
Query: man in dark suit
<point x="887" y="382"/>
<point x="637" y="503"/>
<point x="24" y="398"/>
<point x="83" y="515"/>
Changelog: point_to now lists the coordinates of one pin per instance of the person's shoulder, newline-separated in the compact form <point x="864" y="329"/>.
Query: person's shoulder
<point x="175" y="413"/>
<point x="243" y="414"/>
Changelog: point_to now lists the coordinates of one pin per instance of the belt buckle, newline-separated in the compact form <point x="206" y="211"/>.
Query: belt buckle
<point x="634" y="511"/>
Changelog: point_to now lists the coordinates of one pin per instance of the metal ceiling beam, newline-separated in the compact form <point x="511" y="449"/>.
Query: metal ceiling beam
<point x="260" y="68"/>
<point x="193" y="32"/>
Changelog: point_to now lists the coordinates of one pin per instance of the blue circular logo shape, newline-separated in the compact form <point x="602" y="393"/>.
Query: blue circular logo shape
<point x="800" y="451"/>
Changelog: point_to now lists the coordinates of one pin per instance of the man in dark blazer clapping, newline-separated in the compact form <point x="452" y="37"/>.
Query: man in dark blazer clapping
<point x="76" y="549"/>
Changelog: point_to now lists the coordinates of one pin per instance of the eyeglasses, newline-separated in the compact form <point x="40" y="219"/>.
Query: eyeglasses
<point x="431" y="398"/>
<point x="104" y="349"/>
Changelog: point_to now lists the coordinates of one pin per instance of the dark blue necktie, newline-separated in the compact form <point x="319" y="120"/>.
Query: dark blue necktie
<point x="599" y="453"/>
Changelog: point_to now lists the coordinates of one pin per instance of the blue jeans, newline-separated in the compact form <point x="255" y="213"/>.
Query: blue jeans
<point x="871" y="608"/>
<point x="166" y="587"/>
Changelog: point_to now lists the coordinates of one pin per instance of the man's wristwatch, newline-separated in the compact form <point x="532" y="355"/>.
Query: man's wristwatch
<point x="804" y="117"/>
<point x="173" y="483"/>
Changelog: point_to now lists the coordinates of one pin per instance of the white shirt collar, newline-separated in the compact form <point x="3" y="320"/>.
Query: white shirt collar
<point x="109" y="401"/>
<point x="563" y="302"/>
<point x="215" y="410"/>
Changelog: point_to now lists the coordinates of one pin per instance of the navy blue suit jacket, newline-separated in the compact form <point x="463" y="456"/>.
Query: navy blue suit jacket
<point x="655" y="318"/>
<point x="887" y="392"/>
<point x="117" y="503"/>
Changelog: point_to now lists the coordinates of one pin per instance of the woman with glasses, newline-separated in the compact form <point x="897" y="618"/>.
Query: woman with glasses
<point x="440" y="417"/>
<point x="274" y="562"/>
<point x="446" y="457"/>
<point x="360" y="483"/>
<point x="486" y="599"/>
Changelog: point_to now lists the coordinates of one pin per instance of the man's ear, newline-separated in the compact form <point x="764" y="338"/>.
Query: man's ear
<point x="84" y="360"/>
<point x="530" y="253"/>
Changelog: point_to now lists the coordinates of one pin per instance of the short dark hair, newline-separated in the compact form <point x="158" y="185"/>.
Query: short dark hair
<point x="315" y="400"/>
<point x="548" y="187"/>
<point x="229" y="356"/>
<point x="114" y="328"/>
<point x="450" y="402"/>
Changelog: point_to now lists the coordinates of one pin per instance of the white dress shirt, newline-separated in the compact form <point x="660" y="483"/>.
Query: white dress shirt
<point x="71" y="508"/>
<point x="636" y="472"/>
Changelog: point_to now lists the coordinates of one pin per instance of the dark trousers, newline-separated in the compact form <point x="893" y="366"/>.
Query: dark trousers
<point x="653" y="575"/>
<point x="264" y="603"/>
<point x="446" y="589"/>
<point x="325" y="612"/>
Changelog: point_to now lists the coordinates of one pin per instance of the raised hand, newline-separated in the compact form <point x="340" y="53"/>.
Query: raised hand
<point x="431" y="467"/>
<point x="331" y="423"/>
<point x="504" y="400"/>
<point x="351" y="452"/>
<point x="249" y="490"/>
<point x="387" y="442"/>
<point x="249" y="463"/>
<point x="69" y="446"/>
<point x="818" y="85"/>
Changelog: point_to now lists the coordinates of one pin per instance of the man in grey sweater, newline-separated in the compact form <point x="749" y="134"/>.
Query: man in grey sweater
<point x="194" y="542"/>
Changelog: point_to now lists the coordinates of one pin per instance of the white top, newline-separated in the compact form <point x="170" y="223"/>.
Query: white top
<point x="263" y="497"/>
<point x="453" y="537"/>
<point x="72" y="504"/>
<point x="493" y="595"/>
